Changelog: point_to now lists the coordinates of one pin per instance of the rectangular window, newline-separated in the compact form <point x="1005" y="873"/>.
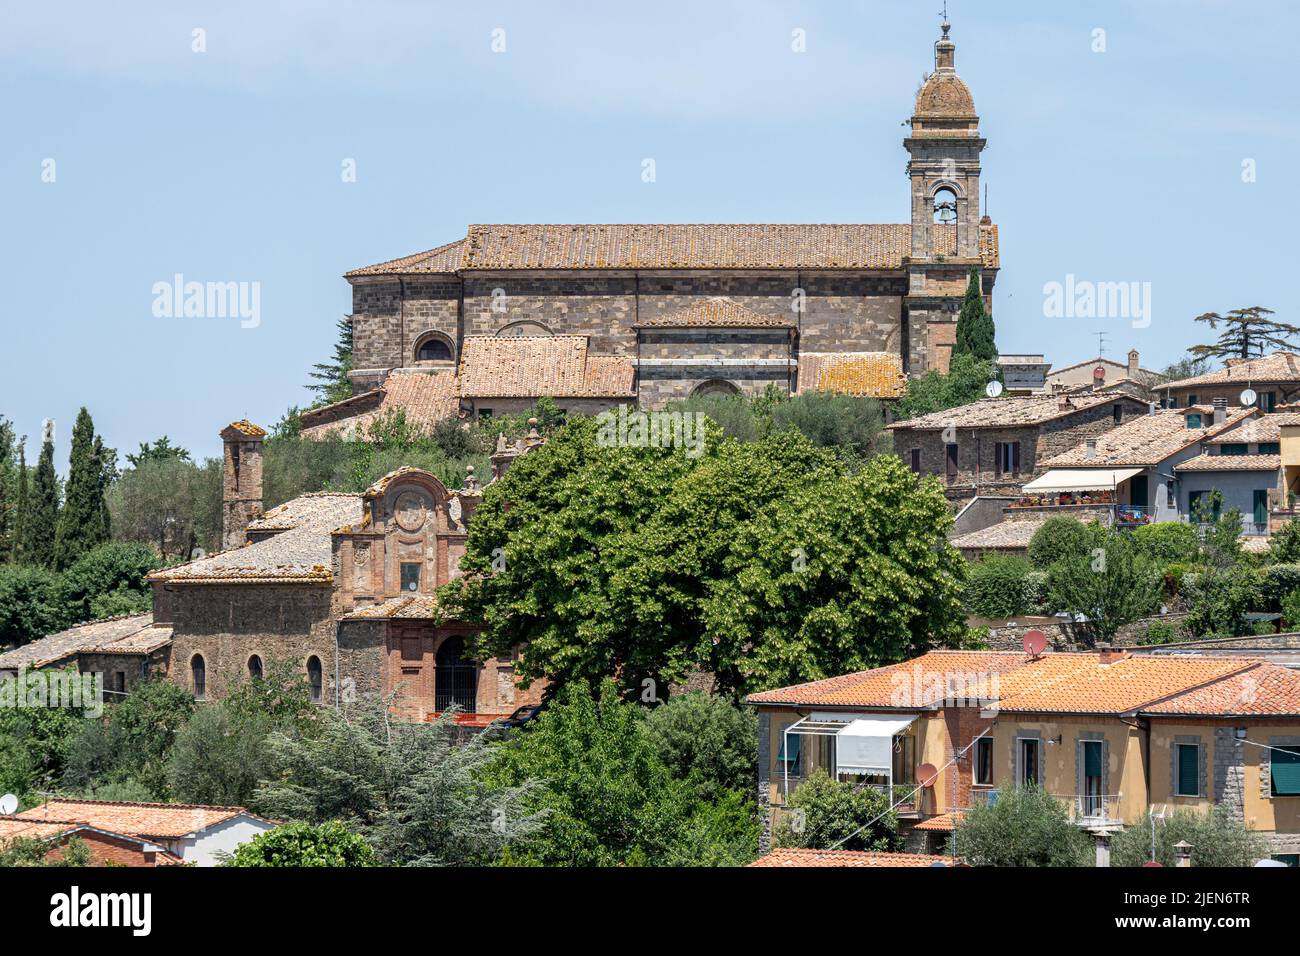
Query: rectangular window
<point x="1267" y="401"/>
<point x="904" y="760"/>
<point x="1093" y="803"/>
<point x="1191" y="399"/>
<point x="950" y="453"/>
<point x="1285" y="763"/>
<point x="411" y="576"/>
<point x="484" y="414"/>
<point x="916" y="461"/>
<point x="1028" y="761"/>
<point x="1193" y="420"/>
<point x="982" y="774"/>
<point x="1187" y="782"/>
<point x="789" y="762"/>
<point x="1117" y="413"/>
<point x="1232" y="448"/>
<point x="1270" y="448"/>
<point x="1007" y="457"/>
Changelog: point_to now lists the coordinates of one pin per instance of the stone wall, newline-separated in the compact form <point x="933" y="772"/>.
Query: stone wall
<point x="1010" y="636"/>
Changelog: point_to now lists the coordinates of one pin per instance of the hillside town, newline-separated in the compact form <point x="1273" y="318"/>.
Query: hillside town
<point x="637" y="545"/>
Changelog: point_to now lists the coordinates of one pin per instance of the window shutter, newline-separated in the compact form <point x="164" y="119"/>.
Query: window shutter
<point x="1015" y="457"/>
<point x="1286" y="772"/>
<point x="1189" y="771"/>
<point x="1092" y="758"/>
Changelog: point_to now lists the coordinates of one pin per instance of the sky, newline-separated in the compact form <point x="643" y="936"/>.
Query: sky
<point x="1142" y="142"/>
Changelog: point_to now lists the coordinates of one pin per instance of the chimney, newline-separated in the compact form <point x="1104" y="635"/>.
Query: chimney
<point x="1220" y="410"/>
<point x="1064" y="404"/>
<point x="1090" y="448"/>
<point x="1182" y="853"/>
<point x="1110" y="655"/>
<point x="1102" y="848"/>
<point x="241" y="486"/>
<point x="1133" y="363"/>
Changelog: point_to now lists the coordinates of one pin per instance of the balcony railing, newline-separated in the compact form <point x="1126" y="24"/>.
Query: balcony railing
<point x="1091" y="809"/>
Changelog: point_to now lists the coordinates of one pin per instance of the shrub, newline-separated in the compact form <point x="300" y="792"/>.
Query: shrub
<point x="1291" y="610"/>
<point x="1168" y="542"/>
<point x="1025" y="826"/>
<point x="999" y="586"/>
<point x="301" y="844"/>
<point x="1220" y="599"/>
<point x="1175" y="577"/>
<point x="1284" y="546"/>
<point x="31" y="604"/>
<point x="1276" y="582"/>
<point x="1217" y="838"/>
<point x="832" y="421"/>
<point x="1059" y="538"/>
<point x="834" y="814"/>
<point x="1159" y="632"/>
<point x="706" y="740"/>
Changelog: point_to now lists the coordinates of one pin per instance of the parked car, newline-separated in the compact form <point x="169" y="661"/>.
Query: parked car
<point x="521" y="716"/>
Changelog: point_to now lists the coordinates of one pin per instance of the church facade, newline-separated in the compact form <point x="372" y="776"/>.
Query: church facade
<point x="597" y="315"/>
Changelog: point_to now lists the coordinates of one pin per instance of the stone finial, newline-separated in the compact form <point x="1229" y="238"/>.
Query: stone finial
<point x="502" y="444"/>
<point x="534" y="438"/>
<point x="471" y="483"/>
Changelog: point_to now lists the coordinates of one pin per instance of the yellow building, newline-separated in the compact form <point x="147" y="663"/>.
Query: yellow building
<point x="1109" y="733"/>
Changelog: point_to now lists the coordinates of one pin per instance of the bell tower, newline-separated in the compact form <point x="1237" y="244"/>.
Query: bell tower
<point x="949" y="236"/>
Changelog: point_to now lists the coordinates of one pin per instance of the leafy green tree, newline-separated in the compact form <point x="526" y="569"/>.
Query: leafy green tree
<point x="1284" y="545"/>
<point x="161" y="450"/>
<point x="1187" y="367"/>
<point x="975" y="332"/>
<point x="1219" y="600"/>
<point x="1060" y="537"/>
<point x="1247" y="333"/>
<point x="829" y="814"/>
<point x="1025" y="826"/>
<point x="707" y="740"/>
<point x="1000" y="586"/>
<point x="46" y="733"/>
<point x="40" y="522"/>
<point x="853" y="426"/>
<point x="330" y="379"/>
<point x="81" y="524"/>
<point x="108" y="571"/>
<point x="301" y="844"/>
<point x="1168" y="542"/>
<point x="1217" y="837"/>
<point x="607" y="798"/>
<point x="1114" y="584"/>
<point x="966" y="381"/>
<point x="31" y="604"/>
<point x="33" y="851"/>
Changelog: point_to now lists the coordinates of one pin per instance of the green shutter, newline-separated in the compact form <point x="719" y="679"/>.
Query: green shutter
<point x="1261" y="506"/>
<point x="1091" y="758"/>
<point x="1286" y="772"/>
<point x="1189" y="771"/>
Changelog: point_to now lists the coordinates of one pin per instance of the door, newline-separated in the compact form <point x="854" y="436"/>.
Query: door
<point x="1028" y="762"/>
<point x="1092" y="801"/>
<point x="456" y="677"/>
<point x="1260" y="503"/>
<point x="951" y="453"/>
<point x="1137" y="491"/>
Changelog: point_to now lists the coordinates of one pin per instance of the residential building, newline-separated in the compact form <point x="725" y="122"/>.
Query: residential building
<point x="1024" y="374"/>
<point x="185" y="833"/>
<point x="106" y="848"/>
<point x="1109" y="733"/>
<point x="1101" y="372"/>
<point x="1274" y="379"/>
<point x="994" y="445"/>
<point x="791" y="857"/>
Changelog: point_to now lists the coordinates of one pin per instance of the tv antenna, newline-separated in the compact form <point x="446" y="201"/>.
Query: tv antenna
<point x="1101" y="343"/>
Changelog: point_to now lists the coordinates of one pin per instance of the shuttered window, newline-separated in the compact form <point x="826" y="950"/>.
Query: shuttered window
<point x="1188" y="783"/>
<point x="1286" y="771"/>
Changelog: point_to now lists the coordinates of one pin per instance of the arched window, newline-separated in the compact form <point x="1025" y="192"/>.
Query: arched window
<point x="455" y="682"/>
<point x="945" y="207"/>
<point x="255" y="667"/>
<point x="314" y="677"/>
<point x="433" y="349"/>
<point x="199" y="674"/>
<point x="715" y="386"/>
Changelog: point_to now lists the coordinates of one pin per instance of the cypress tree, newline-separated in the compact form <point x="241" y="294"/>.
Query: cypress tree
<point x="975" y="332"/>
<point x="8" y="485"/>
<point x="21" y="504"/>
<point x="40" y="522"/>
<point x="81" y="520"/>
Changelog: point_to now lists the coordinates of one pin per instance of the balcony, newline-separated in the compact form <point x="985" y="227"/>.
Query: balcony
<point x="1091" y="811"/>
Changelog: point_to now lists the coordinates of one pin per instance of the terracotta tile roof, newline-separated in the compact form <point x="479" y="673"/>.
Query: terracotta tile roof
<point x="1263" y="690"/>
<point x="426" y="398"/>
<point x="131" y="634"/>
<point x="300" y="554"/>
<point x="413" y="607"/>
<point x="532" y="366"/>
<point x="15" y="828"/>
<point x="880" y="687"/>
<point x="943" y="823"/>
<point x="1023" y="411"/>
<point x="1280" y="367"/>
<point x="787" y="856"/>
<point x="1231" y="463"/>
<point x="1146" y="440"/>
<point x="861" y="374"/>
<point x="1072" y="683"/>
<point x="718" y="312"/>
<point x="680" y="246"/>
<point x="1009" y="534"/>
<point x="444" y="258"/>
<point x="160" y="820"/>
<point x="1262" y="428"/>
<point x="245" y="427"/>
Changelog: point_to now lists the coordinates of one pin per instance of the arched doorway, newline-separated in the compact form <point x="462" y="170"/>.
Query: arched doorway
<point x="715" y="387"/>
<point x="455" y="682"/>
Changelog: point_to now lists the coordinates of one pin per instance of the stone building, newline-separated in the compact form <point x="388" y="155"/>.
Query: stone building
<point x="339" y="585"/>
<point x="665" y="311"/>
<point x="1274" y="379"/>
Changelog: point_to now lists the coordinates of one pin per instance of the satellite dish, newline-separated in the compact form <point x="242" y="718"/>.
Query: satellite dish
<point x="1272" y="863"/>
<point x="8" y="804"/>
<point x="1035" y="642"/>
<point x="939" y="863"/>
<point x="993" y="389"/>
<point x="926" y="774"/>
<point x="1248" y="396"/>
<point x="1159" y="866"/>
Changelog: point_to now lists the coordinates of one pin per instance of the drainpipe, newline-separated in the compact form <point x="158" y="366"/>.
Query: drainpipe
<point x="338" y="625"/>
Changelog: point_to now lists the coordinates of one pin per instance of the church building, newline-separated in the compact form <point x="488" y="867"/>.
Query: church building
<point x="596" y="315"/>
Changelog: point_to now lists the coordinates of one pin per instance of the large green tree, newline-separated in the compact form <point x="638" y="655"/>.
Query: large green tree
<point x="1247" y="333"/>
<point x="826" y="814"/>
<point x="975" y="331"/>
<point x="1114" y="583"/>
<point x="1217" y="838"/>
<point x="301" y="844"/>
<point x="330" y="379"/>
<point x="83" y="519"/>
<point x="41" y="517"/>
<point x="966" y="381"/>
<point x="1025" y="826"/>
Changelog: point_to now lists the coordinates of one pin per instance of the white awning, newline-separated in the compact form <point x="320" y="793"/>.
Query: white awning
<point x="866" y="744"/>
<point x="1082" y="479"/>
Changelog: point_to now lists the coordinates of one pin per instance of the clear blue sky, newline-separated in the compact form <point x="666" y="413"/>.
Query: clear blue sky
<point x="225" y="165"/>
